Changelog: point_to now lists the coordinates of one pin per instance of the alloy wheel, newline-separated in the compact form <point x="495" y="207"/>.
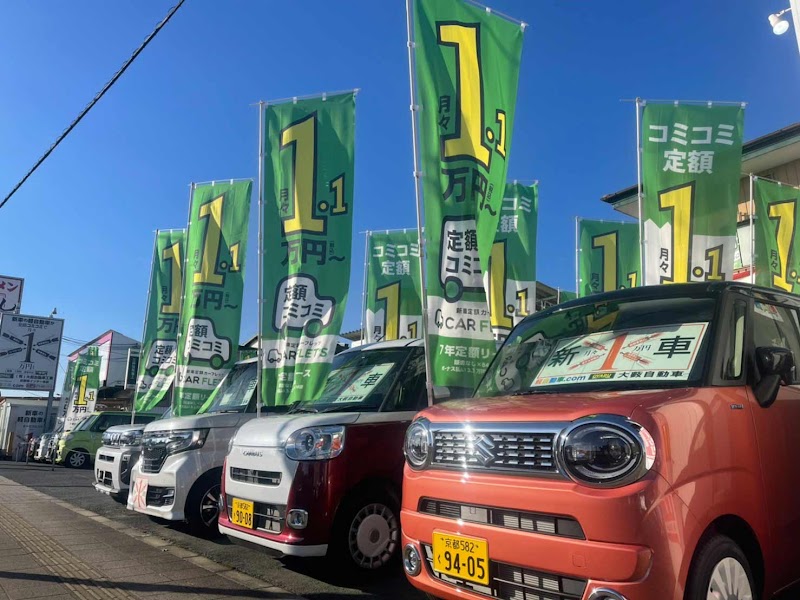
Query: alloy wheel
<point x="77" y="460"/>
<point x="373" y="536"/>
<point x="209" y="506"/>
<point x="729" y="581"/>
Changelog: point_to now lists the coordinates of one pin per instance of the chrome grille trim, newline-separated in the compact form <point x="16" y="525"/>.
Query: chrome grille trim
<point x="509" y="582"/>
<point x="541" y="523"/>
<point x="499" y="447"/>
<point x="255" y="476"/>
<point x="154" y="451"/>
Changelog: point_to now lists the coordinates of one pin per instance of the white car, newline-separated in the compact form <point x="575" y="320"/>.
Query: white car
<point x="177" y="477"/>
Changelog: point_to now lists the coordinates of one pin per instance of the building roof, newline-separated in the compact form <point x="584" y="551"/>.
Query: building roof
<point x="753" y="157"/>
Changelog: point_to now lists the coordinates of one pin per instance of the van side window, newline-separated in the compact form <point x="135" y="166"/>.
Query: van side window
<point x="412" y="394"/>
<point x="775" y="325"/>
<point x="734" y="348"/>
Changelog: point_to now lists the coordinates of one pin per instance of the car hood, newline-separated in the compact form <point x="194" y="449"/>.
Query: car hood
<point x="128" y="428"/>
<point x="273" y="431"/>
<point x="561" y="407"/>
<point x="206" y="421"/>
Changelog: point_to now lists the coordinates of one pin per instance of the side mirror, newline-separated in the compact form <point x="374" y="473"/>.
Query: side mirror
<point x="776" y="366"/>
<point x="441" y="392"/>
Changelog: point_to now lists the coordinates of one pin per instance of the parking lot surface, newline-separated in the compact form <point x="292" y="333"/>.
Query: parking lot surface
<point x="307" y="578"/>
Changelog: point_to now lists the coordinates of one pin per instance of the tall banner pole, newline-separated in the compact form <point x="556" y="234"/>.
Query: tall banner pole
<point x="752" y="234"/>
<point x="367" y="235"/>
<point x="418" y="195"/>
<point x="642" y="245"/>
<point x="259" y="351"/>
<point x="144" y="324"/>
<point x="577" y="256"/>
<point x="183" y="299"/>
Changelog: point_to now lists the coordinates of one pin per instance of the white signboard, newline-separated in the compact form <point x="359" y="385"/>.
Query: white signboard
<point x="10" y="294"/>
<point x="664" y="353"/>
<point x="29" y="350"/>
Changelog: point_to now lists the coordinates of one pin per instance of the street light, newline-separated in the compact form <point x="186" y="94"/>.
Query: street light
<point x="778" y="23"/>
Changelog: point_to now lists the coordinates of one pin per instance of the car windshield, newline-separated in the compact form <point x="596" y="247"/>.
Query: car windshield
<point x="359" y="381"/>
<point x="234" y="393"/>
<point x="84" y="423"/>
<point x="626" y="344"/>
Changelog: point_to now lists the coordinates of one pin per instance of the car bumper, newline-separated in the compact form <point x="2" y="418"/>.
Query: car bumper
<point x="112" y="469"/>
<point x="271" y="542"/>
<point x="632" y="537"/>
<point x="163" y="494"/>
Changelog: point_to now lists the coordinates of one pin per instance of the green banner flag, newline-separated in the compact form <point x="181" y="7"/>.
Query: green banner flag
<point x="691" y="167"/>
<point x="211" y="310"/>
<point x="66" y="389"/>
<point x="393" y="305"/>
<point x="608" y="256"/>
<point x="566" y="296"/>
<point x="467" y="69"/>
<point x="159" y="343"/>
<point x="85" y="385"/>
<point x="777" y="261"/>
<point x="512" y="265"/>
<point x="308" y="227"/>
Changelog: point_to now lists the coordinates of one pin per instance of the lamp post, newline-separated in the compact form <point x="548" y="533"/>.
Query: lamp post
<point x="780" y="25"/>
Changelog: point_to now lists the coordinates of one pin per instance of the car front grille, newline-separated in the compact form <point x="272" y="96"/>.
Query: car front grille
<point x="256" y="477"/>
<point x="510" y="582"/>
<point x="154" y="453"/>
<point x="266" y="517"/>
<point x="104" y="478"/>
<point x="526" y="451"/>
<point x="160" y="496"/>
<point x="105" y="457"/>
<point x="503" y="517"/>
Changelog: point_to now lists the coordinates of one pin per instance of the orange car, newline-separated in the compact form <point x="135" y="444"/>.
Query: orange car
<point x="633" y="445"/>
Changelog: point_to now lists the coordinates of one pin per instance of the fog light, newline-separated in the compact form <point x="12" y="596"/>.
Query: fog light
<point x="411" y="562"/>
<point x="604" y="594"/>
<point x="297" y="519"/>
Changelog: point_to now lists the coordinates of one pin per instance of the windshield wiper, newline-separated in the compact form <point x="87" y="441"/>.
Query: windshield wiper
<point x="303" y="409"/>
<point x="339" y="408"/>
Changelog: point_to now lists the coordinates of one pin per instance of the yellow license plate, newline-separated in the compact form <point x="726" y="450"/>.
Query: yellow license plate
<point x="461" y="557"/>
<point x="242" y="513"/>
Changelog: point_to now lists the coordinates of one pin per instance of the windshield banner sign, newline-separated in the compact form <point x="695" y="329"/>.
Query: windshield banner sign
<point x="691" y="167"/>
<point x="467" y="70"/>
<point x="85" y="385"/>
<point x="160" y="340"/>
<point x="308" y="226"/>
<point x="608" y="256"/>
<point x="777" y="244"/>
<point x="211" y="310"/>
<point x="393" y="305"/>
<point x="512" y="265"/>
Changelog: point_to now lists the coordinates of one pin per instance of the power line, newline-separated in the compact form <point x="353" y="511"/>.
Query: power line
<point x="94" y="101"/>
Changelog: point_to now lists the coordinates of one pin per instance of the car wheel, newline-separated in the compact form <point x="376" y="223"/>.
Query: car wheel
<point x="721" y="571"/>
<point x="202" y="505"/>
<point x="368" y="533"/>
<point x="76" y="460"/>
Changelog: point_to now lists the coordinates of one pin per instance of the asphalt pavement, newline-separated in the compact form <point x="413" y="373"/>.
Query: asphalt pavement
<point x="311" y="579"/>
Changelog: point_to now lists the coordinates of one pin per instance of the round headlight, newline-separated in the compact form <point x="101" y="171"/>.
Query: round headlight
<point x="605" y="453"/>
<point x="418" y="445"/>
<point x="315" y="443"/>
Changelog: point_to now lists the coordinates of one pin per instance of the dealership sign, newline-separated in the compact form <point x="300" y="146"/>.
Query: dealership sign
<point x="29" y="350"/>
<point x="10" y="294"/>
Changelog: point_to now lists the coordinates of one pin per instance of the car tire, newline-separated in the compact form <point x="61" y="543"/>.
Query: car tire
<point x="720" y="569"/>
<point x="76" y="459"/>
<point x="202" y="505"/>
<point x="366" y="533"/>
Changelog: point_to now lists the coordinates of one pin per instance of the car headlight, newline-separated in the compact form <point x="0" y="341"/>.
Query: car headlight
<point x="130" y="438"/>
<point x="418" y="446"/>
<point x="107" y="439"/>
<point x="315" y="443"/>
<point x="186" y="439"/>
<point x="606" y="451"/>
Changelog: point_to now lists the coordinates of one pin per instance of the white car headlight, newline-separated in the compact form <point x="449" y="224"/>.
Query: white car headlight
<point x="186" y="439"/>
<point x="130" y="438"/>
<point x="315" y="443"/>
<point x="606" y="451"/>
<point x="418" y="446"/>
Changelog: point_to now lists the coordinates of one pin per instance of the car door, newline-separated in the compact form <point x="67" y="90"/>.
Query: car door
<point x="777" y="428"/>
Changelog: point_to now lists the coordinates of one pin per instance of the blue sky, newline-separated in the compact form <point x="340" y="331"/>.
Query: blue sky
<point x="80" y="230"/>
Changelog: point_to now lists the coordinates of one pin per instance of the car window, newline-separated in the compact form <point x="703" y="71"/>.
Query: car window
<point x="144" y="418"/>
<point x="118" y="420"/>
<point x="100" y="424"/>
<point x="734" y="347"/>
<point x="412" y="394"/>
<point x="775" y="325"/>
